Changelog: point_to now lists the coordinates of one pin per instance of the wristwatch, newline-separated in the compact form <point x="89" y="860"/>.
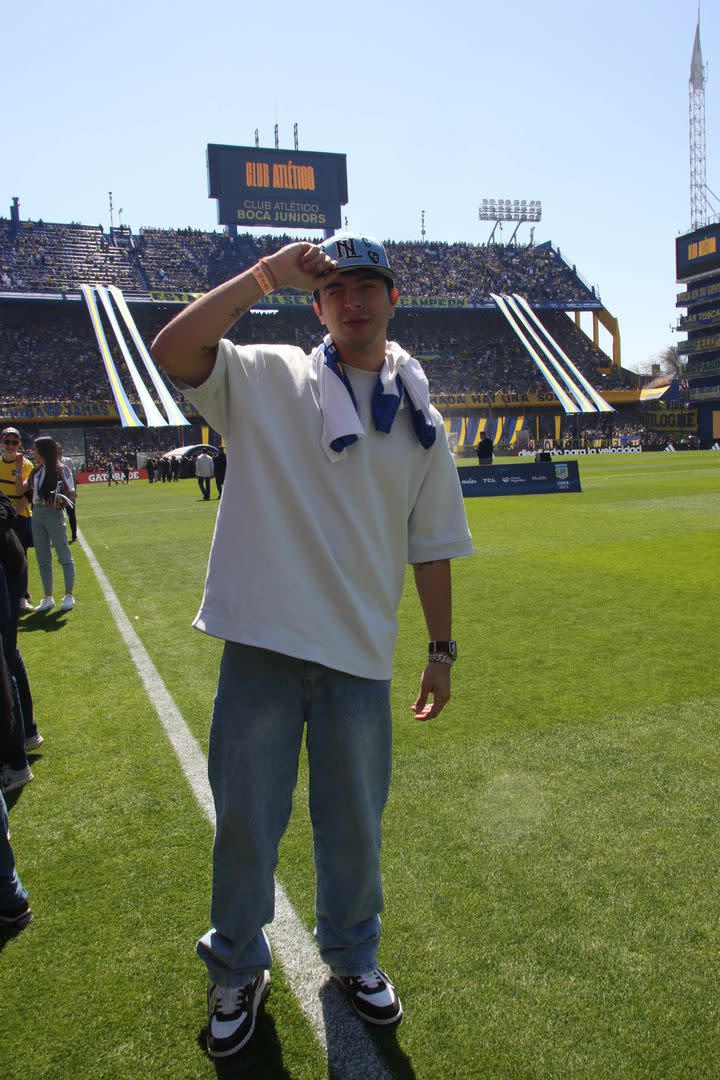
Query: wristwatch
<point x="442" y="652"/>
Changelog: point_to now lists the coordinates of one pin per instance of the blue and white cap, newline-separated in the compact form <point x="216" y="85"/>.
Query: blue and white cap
<point x="351" y="251"/>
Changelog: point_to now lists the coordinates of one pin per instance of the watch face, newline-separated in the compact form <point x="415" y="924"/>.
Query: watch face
<point x="449" y="647"/>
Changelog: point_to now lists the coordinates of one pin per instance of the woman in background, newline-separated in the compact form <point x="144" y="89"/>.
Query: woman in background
<point x="51" y="487"/>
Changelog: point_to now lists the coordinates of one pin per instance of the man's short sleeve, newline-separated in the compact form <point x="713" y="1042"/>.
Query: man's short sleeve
<point x="438" y="526"/>
<point x="212" y="397"/>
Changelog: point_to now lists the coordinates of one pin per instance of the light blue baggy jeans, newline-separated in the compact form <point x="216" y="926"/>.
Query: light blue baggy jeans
<point x="264" y="702"/>
<point x="50" y="531"/>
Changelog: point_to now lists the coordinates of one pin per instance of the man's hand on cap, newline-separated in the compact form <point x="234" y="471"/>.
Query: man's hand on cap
<point x="300" y="266"/>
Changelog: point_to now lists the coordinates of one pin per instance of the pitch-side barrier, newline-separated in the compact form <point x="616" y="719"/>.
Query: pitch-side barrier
<point x="538" y="478"/>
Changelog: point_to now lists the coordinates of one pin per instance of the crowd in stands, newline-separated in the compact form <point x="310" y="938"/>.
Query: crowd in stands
<point x="49" y="355"/>
<point x="49" y="352"/>
<point x="45" y="257"/>
<point x="40" y="258"/>
<point x="131" y="446"/>
<point x="475" y="271"/>
<point x="604" y="427"/>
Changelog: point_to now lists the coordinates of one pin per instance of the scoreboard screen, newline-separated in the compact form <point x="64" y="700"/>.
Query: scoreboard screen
<point x="292" y="189"/>
<point x="698" y="252"/>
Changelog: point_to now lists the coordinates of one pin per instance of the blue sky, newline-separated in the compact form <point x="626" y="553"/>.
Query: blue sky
<point x="583" y="106"/>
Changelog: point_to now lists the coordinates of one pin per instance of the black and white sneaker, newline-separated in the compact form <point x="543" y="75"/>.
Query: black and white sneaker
<point x="15" y="918"/>
<point x="232" y="1012"/>
<point x="373" y="997"/>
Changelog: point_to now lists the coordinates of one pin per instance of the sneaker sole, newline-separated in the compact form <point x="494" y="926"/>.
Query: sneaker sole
<point x="240" y="1046"/>
<point x="8" y="926"/>
<point x="392" y="1022"/>
<point x="17" y="784"/>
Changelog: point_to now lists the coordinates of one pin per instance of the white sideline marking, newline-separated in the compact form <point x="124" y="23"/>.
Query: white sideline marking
<point x="341" y="1034"/>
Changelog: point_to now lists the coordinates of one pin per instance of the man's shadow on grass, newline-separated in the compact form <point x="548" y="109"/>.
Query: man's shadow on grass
<point x="349" y="1039"/>
<point x="49" y="621"/>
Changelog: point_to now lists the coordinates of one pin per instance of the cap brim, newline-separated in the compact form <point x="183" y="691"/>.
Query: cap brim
<point x="384" y="271"/>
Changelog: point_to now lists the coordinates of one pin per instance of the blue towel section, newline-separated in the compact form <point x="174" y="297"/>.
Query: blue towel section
<point x="424" y="429"/>
<point x="406" y="380"/>
<point x="385" y="406"/>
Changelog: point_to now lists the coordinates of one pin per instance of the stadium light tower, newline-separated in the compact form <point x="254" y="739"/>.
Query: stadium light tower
<point x="517" y="210"/>
<point x="703" y="201"/>
<point x="698" y="200"/>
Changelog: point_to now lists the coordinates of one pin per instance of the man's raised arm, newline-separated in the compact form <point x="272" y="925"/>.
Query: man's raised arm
<point x="187" y="346"/>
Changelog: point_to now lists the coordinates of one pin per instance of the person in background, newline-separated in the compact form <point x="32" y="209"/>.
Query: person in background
<point x="112" y="478"/>
<point x="13" y="585"/>
<point x="51" y="487"/>
<point x="13" y="462"/>
<point x="15" y="698"/>
<point x="150" y="467"/>
<point x="485" y="450"/>
<point x="203" y="471"/>
<point x="220" y="470"/>
<point x="70" y="510"/>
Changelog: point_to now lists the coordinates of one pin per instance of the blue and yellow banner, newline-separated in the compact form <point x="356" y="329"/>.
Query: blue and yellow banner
<point x="408" y="303"/>
<point x="63" y="412"/>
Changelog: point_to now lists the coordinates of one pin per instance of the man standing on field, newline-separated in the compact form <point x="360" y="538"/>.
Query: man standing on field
<point x="339" y="474"/>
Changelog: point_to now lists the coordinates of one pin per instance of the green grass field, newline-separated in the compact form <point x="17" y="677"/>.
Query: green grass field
<point x="551" y="845"/>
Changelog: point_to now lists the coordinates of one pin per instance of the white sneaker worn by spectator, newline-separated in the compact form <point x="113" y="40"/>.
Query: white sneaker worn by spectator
<point x="12" y="779"/>
<point x="68" y="603"/>
<point x="46" y="604"/>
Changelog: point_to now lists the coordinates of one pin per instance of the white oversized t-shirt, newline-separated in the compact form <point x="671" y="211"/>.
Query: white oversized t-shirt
<point x="308" y="556"/>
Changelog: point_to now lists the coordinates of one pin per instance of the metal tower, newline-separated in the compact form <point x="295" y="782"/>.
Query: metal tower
<point x="698" y="185"/>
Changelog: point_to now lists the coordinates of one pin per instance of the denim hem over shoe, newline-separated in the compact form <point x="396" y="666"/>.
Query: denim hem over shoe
<point x="347" y="973"/>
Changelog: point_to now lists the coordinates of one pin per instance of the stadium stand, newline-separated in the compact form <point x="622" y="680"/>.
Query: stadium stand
<point x="48" y="353"/>
<point x="40" y="258"/>
<point x="43" y="257"/>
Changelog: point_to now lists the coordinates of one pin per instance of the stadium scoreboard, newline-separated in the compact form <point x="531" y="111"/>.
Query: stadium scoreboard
<point x="698" y="253"/>
<point x="288" y="189"/>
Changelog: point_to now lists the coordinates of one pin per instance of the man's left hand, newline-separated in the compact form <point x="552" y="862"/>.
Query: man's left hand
<point x="435" y="683"/>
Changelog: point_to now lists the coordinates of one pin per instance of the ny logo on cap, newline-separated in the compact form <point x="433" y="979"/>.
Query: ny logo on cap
<point x="346" y="250"/>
